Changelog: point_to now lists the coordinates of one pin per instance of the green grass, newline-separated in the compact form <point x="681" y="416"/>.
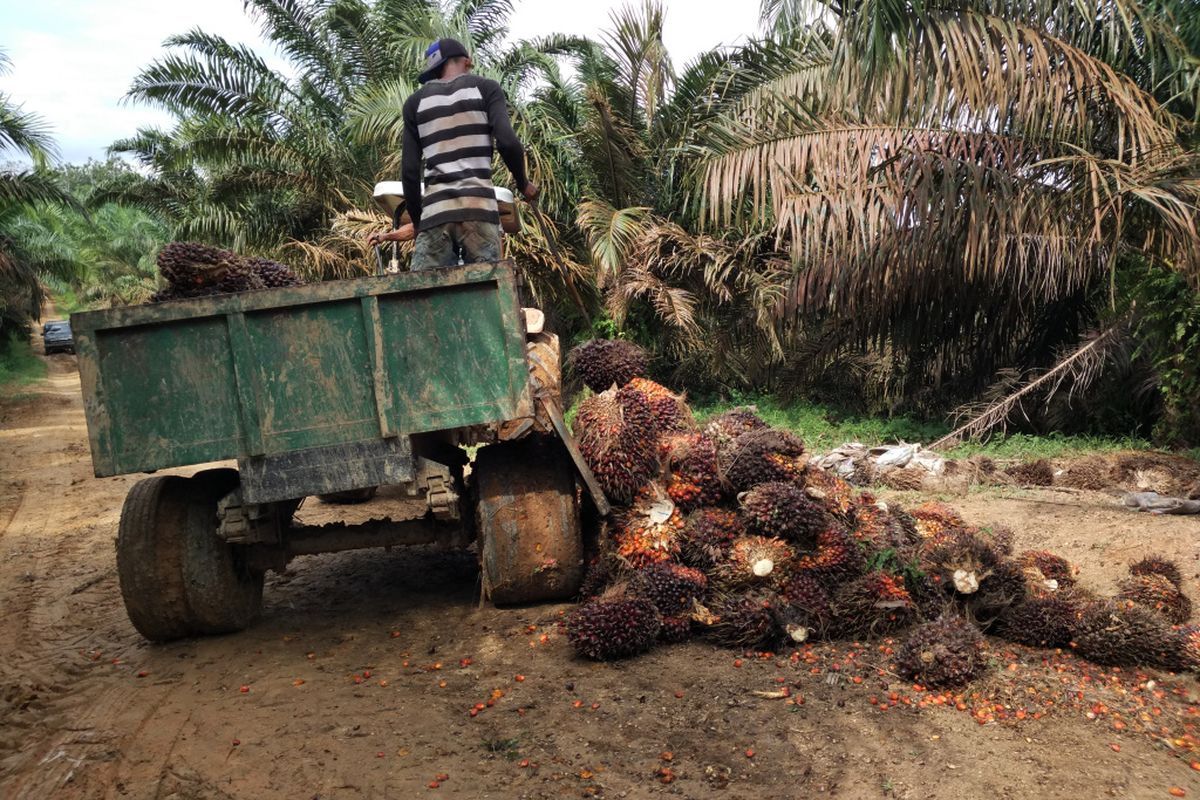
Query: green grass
<point x="824" y="428"/>
<point x="19" y="366"/>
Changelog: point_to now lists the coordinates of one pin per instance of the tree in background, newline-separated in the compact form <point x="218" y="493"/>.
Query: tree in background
<point x="23" y="261"/>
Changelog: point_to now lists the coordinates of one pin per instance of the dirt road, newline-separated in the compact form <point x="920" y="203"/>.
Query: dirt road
<point x="359" y="680"/>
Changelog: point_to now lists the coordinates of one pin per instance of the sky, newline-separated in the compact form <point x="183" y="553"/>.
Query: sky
<point x="73" y="61"/>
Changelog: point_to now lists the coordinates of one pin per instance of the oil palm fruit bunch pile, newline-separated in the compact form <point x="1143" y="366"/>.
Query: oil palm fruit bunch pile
<point x="604" y="363"/>
<point x="723" y="530"/>
<point x="619" y="440"/>
<point x="199" y="270"/>
<point x="945" y="653"/>
<point x="781" y="509"/>
<point x="694" y="479"/>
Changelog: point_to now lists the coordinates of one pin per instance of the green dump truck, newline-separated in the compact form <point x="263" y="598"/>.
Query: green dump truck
<point x="328" y="388"/>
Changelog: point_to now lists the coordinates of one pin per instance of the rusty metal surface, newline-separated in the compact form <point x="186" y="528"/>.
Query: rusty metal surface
<point x="280" y="371"/>
<point x="527" y="514"/>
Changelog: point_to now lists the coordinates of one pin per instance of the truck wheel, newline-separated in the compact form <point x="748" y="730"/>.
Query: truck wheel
<point x="150" y="558"/>
<point x="527" y="515"/>
<point x="178" y="578"/>
<point x="223" y="594"/>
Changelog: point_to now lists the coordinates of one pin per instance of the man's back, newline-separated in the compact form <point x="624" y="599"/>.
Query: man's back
<point x="453" y="121"/>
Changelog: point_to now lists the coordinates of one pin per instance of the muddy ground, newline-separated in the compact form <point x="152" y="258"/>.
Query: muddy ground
<point x="359" y="679"/>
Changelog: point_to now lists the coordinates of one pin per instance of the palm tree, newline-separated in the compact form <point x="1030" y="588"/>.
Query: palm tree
<point x="22" y="262"/>
<point x="955" y="179"/>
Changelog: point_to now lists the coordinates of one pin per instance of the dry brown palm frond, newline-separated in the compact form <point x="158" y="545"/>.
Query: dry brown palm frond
<point x="343" y="251"/>
<point x="1080" y="368"/>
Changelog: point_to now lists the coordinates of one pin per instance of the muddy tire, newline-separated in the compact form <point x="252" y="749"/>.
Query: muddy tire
<point x="224" y="595"/>
<point x="178" y="578"/>
<point x="527" y="518"/>
<point x="150" y="560"/>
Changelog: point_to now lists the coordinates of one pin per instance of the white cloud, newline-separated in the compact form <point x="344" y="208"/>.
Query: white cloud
<point x="73" y="62"/>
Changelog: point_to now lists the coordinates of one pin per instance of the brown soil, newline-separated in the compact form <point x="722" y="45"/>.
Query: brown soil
<point x="343" y="677"/>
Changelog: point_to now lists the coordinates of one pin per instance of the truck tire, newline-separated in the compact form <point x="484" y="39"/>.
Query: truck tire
<point x="223" y="594"/>
<point x="178" y="578"/>
<point x="150" y="558"/>
<point x="527" y="517"/>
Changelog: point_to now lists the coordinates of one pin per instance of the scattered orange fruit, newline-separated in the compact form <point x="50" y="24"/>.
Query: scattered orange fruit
<point x="298" y="682"/>
<point x="244" y="689"/>
<point x="749" y="752"/>
<point x="519" y="679"/>
<point x="1176" y="791"/>
<point x="1116" y="748"/>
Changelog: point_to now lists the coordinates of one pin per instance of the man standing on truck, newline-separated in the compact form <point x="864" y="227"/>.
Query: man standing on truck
<point x="452" y="124"/>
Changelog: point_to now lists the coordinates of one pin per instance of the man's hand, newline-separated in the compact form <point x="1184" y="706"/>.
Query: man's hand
<point x="531" y="191"/>
<point x="405" y="233"/>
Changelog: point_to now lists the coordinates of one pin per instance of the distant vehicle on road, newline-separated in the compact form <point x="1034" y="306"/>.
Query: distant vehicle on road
<point x="57" y="337"/>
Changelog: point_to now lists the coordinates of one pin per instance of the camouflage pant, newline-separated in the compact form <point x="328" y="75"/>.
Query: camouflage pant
<point x="456" y="243"/>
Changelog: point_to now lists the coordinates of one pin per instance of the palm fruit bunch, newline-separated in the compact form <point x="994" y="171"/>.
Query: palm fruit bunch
<point x="1124" y="634"/>
<point x="649" y="531"/>
<point x="1041" y="620"/>
<point x="803" y="610"/>
<point x="273" y="274"/>
<point x="873" y="604"/>
<point x="240" y="277"/>
<point x="1001" y="588"/>
<point x="597" y="575"/>
<point x="673" y="588"/>
<point x="762" y="456"/>
<point x="670" y="411"/>
<point x="836" y="558"/>
<point x="617" y="624"/>
<point x="1189" y="648"/>
<point x="1051" y="566"/>
<point x="744" y="621"/>
<point x="727" y="426"/>
<point x="959" y="559"/>
<point x="694" y="473"/>
<point x="707" y="536"/>
<point x="603" y="363"/>
<point x="754" y="561"/>
<point x="675" y="630"/>
<point x="618" y="438"/>
<point x="782" y="510"/>
<point x="1158" y="565"/>
<point x="945" y="653"/>
<point x="934" y="519"/>
<point x="835" y="493"/>
<point x="191" y="264"/>
<point x="1032" y="473"/>
<point x="1158" y="593"/>
<point x="876" y="530"/>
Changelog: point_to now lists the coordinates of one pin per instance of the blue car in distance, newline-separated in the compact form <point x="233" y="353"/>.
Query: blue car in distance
<point x="57" y="337"/>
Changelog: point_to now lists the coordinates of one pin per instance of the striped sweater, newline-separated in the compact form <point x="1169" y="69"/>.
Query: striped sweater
<point x="452" y="126"/>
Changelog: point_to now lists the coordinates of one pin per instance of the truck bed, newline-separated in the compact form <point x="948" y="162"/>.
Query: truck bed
<point x="301" y="372"/>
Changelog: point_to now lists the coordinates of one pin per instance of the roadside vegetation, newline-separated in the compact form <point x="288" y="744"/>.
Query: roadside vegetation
<point x="912" y="211"/>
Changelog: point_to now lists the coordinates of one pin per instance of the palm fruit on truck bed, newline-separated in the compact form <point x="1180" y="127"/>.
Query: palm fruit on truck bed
<point x="617" y="624"/>
<point x="618" y="438"/>
<point x="945" y="653"/>
<point x="603" y="363"/>
<point x="194" y="264"/>
<point x="782" y="509"/>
